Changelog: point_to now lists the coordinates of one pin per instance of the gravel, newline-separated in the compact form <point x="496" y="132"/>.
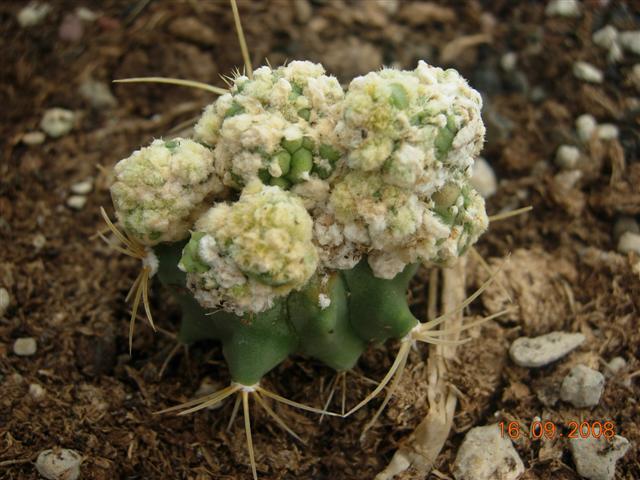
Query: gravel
<point x="586" y="124"/>
<point x="567" y="157"/>
<point x="625" y="224"/>
<point x="33" y="138"/>
<point x="33" y="14"/>
<point x="5" y="301"/>
<point x="608" y="131"/>
<point x="97" y="94"/>
<point x="542" y="350"/>
<point x="77" y="202"/>
<point x="485" y="454"/>
<point x="630" y="41"/>
<point x="82" y="188"/>
<point x="596" y="458"/>
<point x="59" y="464"/>
<point x="25" y="346"/>
<point x="57" y="122"/>
<point x="582" y="387"/>
<point x="587" y="72"/>
<point x="629" y="242"/>
<point x="563" y="8"/>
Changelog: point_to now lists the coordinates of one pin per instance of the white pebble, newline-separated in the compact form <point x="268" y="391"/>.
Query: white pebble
<point x="567" y="157"/>
<point x="582" y="387"/>
<point x="568" y="179"/>
<point x="596" y="458"/>
<point x="25" y="346"/>
<point x="616" y="365"/>
<point x="57" y="122"/>
<point x="33" y="138"/>
<point x="605" y="37"/>
<point x="77" y="202"/>
<point x="629" y="242"/>
<point x="59" y="464"/>
<point x="486" y="454"/>
<point x="508" y="61"/>
<point x="542" y="350"/>
<point x="630" y="41"/>
<point x="634" y="76"/>
<point x="39" y="241"/>
<point x="483" y="178"/>
<point x="607" y="131"/>
<point x="586" y="124"/>
<point x="5" y="301"/>
<point x="33" y="14"/>
<point x="83" y="13"/>
<point x="97" y="94"/>
<point x="36" y="391"/>
<point x="587" y="72"/>
<point x="563" y="8"/>
<point x="615" y="53"/>
<point x="82" y="188"/>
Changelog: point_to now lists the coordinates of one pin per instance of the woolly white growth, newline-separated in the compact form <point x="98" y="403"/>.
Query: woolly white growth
<point x="278" y="126"/>
<point x="160" y="189"/>
<point x="251" y="252"/>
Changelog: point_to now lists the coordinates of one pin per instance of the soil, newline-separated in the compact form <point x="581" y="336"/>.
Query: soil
<point x="68" y="288"/>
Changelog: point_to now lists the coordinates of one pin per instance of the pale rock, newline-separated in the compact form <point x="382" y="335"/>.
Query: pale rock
<point x="587" y="72"/>
<point x="207" y="387"/>
<point x="77" y="202"/>
<point x="508" y="61"/>
<point x="605" y="37"/>
<point x="33" y="138"/>
<point x="630" y="41"/>
<point x="625" y="224"/>
<point x="545" y="349"/>
<point x="82" y="188"/>
<point x="39" y="241"/>
<point x="485" y="454"/>
<point x="567" y="157"/>
<point x="57" y="122"/>
<point x="36" y="391"/>
<point x="615" y="54"/>
<point x="568" y="179"/>
<point x="483" y="178"/>
<point x="596" y="458"/>
<point x="5" y="301"/>
<point x="582" y="387"/>
<point x="33" y="14"/>
<point x="634" y="76"/>
<point x="629" y="242"/>
<point x="608" y="131"/>
<point x="25" y="346"/>
<point x="59" y="464"/>
<point x="586" y="124"/>
<point x="563" y="8"/>
<point x="97" y="94"/>
<point x="616" y="365"/>
<point x="86" y="15"/>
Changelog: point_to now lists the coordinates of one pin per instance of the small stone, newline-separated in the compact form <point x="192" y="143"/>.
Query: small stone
<point x="634" y="76"/>
<point x="82" y="188"/>
<point x="57" y="122"/>
<point x="303" y="10"/>
<point x="86" y="15"/>
<point x="483" y="178"/>
<point x="36" y="391"/>
<point x="59" y="464"/>
<point x="629" y="242"/>
<point x="567" y="179"/>
<point x="97" y="94"/>
<point x="586" y="124"/>
<point x="605" y="37"/>
<point x="5" y="301"/>
<point x="33" y="138"/>
<point x="615" y="54"/>
<point x="625" y="224"/>
<point x="587" y="72"/>
<point x="508" y="61"/>
<point x="596" y="458"/>
<point x="538" y="94"/>
<point x="33" y="14"/>
<point x="608" y="131"/>
<point x="77" y="202"/>
<point x="39" y="241"/>
<point x="485" y="454"/>
<point x="630" y="41"/>
<point x="25" y="346"/>
<point x="582" y="387"/>
<point x="71" y="29"/>
<point x="567" y="157"/>
<point x="193" y="30"/>
<point x="616" y="365"/>
<point x="207" y="387"/>
<point x="542" y="350"/>
<point x="563" y="8"/>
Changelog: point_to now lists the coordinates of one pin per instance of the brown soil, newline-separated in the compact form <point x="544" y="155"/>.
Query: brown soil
<point x="68" y="290"/>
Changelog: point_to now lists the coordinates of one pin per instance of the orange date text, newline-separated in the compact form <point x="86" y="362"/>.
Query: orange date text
<point x="545" y="429"/>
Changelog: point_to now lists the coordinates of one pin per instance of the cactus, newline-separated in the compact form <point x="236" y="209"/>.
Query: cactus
<point x="294" y="220"/>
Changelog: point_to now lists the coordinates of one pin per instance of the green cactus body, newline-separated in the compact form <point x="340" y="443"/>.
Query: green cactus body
<point x="361" y="309"/>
